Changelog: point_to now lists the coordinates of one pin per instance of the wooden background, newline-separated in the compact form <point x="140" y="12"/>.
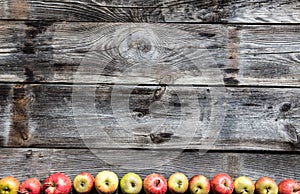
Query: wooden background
<point x="255" y="94"/>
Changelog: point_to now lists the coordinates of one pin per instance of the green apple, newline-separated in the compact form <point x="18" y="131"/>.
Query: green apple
<point x="131" y="183"/>
<point x="266" y="185"/>
<point x="244" y="185"/>
<point x="178" y="183"/>
<point x="106" y="182"/>
<point x="199" y="184"/>
<point x="9" y="185"/>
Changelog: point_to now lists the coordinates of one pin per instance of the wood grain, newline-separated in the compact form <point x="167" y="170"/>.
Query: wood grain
<point x="204" y="86"/>
<point x="42" y="162"/>
<point x="149" y="53"/>
<point x="257" y="11"/>
<point x="155" y="117"/>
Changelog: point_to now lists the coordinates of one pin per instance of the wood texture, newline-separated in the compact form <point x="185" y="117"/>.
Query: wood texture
<point x="149" y="53"/>
<point x="41" y="162"/>
<point x="142" y="83"/>
<point x="155" y="117"/>
<point x="257" y="11"/>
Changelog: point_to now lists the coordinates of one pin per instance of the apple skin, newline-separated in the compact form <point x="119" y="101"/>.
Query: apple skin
<point x="131" y="183"/>
<point x="266" y="185"/>
<point x="244" y="185"/>
<point x="155" y="184"/>
<point x="289" y="186"/>
<point x="83" y="183"/>
<point x="222" y="184"/>
<point x="9" y="185"/>
<point x="57" y="183"/>
<point x="106" y="182"/>
<point x="178" y="183"/>
<point x="31" y="186"/>
<point x="199" y="184"/>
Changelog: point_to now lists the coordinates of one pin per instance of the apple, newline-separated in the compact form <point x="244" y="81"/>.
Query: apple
<point x="266" y="185"/>
<point x="131" y="183"/>
<point x="106" y="182"/>
<point x="31" y="186"/>
<point x="9" y="185"/>
<point x="83" y="183"/>
<point x="199" y="184"/>
<point x="155" y="184"/>
<point x="222" y="184"/>
<point x="244" y="185"/>
<point x="178" y="183"/>
<point x="289" y="186"/>
<point x="57" y="183"/>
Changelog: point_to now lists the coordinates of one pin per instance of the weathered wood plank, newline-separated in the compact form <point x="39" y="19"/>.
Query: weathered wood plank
<point x="257" y="11"/>
<point x="155" y="117"/>
<point x="24" y="163"/>
<point x="149" y="53"/>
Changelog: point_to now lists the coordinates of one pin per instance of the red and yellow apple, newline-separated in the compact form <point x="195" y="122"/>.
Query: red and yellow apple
<point x="222" y="184"/>
<point x="155" y="184"/>
<point x="199" y="184"/>
<point x="31" y="186"/>
<point x="57" y="183"/>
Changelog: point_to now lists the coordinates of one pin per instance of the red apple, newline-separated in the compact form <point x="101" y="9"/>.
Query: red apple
<point x="9" y="185"/>
<point x="155" y="184"/>
<point x="222" y="184"/>
<point x="199" y="184"/>
<point x="83" y="183"/>
<point x="289" y="186"/>
<point x="266" y="185"/>
<point x="31" y="186"/>
<point x="57" y="183"/>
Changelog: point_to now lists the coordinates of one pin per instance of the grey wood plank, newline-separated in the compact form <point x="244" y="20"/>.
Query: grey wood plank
<point x="257" y="11"/>
<point x="39" y="163"/>
<point x="150" y="53"/>
<point x="149" y="117"/>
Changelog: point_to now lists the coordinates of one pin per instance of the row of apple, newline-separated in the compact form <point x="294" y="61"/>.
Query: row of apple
<point x="107" y="182"/>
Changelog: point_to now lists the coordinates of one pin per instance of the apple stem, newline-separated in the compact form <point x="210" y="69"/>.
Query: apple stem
<point x="296" y="190"/>
<point x="157" y="183"/>
<point x="6" y="189"/>
<point x="51" y="184"/>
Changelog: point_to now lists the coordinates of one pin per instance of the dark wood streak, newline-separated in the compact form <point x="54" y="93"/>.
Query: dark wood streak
<point x="232" y="57"/>
<point x="19" y="129"/>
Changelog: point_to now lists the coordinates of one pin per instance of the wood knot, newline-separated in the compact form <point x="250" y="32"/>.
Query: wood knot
<point x="140" y="45"/>
<point x="285" y="107"/>
<point x="159" y="92"/>
<point x="161" y="137"/>
<point x="28" y="154"/>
